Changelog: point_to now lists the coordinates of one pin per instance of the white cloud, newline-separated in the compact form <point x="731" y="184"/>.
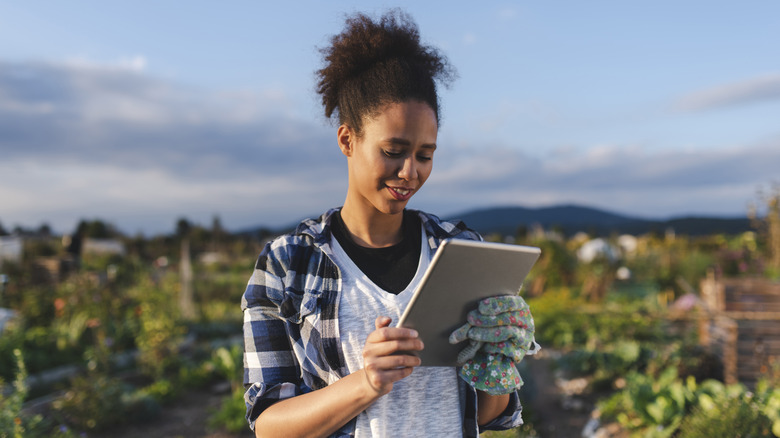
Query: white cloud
<point x="762" y="88"/>
<point x="134" y="63"/>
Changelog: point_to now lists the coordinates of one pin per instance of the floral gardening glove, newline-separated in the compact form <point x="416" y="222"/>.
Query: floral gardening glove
<point x="500" y="333"/>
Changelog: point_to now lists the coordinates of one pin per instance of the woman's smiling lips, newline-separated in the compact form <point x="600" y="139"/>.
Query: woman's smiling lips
<point x="401" y="193"/>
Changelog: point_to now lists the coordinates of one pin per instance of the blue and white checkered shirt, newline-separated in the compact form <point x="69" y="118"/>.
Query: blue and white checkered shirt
<point x="291" y="340"/>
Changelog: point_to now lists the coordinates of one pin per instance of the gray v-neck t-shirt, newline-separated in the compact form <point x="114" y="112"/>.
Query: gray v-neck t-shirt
<point x="427" y="402"/>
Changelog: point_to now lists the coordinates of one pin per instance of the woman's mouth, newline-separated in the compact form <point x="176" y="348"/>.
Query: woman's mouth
<point x="401" y="193"/>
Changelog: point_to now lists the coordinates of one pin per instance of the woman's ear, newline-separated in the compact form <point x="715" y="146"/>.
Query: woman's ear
<point x="346" y="139"/>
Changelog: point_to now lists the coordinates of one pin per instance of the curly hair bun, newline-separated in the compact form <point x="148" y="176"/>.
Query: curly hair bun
<point x="373" y="63"/>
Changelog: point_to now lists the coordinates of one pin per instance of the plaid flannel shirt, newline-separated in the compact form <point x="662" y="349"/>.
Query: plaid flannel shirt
<point x="291" y="339"/>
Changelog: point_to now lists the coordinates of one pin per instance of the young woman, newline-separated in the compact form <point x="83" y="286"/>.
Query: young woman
<point x="319" y="347"/>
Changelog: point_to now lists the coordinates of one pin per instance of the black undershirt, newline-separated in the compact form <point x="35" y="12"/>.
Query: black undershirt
<point x="391" y="268"/>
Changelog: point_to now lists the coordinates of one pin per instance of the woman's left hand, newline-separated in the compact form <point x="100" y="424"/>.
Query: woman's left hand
<point x="500" y="333"/>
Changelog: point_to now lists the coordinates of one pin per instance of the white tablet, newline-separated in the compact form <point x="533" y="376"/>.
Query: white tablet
<point x="461" y="273"/>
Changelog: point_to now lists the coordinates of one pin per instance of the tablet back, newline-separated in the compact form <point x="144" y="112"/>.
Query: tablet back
<point x="461" y="273"/>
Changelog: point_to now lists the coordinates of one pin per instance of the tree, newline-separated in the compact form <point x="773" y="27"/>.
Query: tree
<point x="183" y="228"/>
<point x="44" y="230"/>
<point x="95" y="229"/>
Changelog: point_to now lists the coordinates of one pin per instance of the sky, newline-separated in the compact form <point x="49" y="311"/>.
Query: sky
<point x="139" y="114"/>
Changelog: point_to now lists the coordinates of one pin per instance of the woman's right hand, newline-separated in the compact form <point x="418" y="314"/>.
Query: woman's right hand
<point x="382" y="363"/>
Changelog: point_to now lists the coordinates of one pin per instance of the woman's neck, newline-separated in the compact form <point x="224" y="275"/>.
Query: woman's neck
<point x="372" y="230"/>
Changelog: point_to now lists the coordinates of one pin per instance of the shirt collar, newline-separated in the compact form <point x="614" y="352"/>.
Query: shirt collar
<point x="436" y="229"/>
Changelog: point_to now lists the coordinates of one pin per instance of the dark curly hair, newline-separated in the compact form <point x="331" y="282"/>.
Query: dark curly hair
<point x="374" y="63"/>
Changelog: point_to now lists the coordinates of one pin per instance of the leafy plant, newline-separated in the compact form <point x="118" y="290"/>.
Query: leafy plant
<point x="656" y="407"/>
<point x="231" y="415"/>
<point x="92" y="402"/>
<point x="742" y="415"/>
<point x="12" y="421"/>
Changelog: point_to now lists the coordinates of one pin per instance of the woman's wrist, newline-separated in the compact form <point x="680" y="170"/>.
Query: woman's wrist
<point x="489" y="407"/>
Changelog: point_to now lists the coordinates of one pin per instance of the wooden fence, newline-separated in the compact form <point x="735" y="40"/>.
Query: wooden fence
<point x="741" y="325"/>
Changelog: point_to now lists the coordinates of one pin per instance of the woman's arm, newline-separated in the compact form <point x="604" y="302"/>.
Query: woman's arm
<point x="324" y="411"/>
<point x="489" y="407"/>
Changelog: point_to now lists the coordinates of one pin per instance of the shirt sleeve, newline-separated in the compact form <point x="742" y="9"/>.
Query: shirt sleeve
<point x="271" y="372"/>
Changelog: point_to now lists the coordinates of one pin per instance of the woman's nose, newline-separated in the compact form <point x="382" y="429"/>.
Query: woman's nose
<point x="408" y="170"/>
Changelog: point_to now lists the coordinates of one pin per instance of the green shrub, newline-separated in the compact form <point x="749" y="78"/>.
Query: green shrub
<point x="12" y="422"/>
<point x="92" y="402"/>
<point x="231" y="415"/>
<point x="162" y="391"/>
<point x="739" y="417"/>
<point x="229" y="364"/>
<point x="666" y="405"/>
<point x="567" y="322"/>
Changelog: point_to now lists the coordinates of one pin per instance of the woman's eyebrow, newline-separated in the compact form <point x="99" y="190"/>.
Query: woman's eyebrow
<point x="404" y="142"/>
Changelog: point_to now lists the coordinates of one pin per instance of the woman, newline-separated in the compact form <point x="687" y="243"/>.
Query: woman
<point x="319" y="347"/>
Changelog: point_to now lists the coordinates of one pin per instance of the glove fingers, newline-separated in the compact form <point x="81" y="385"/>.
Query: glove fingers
<point x="512" y="348"/>
<point x="460" y="335"/>
<point x="501" y="304"/>
<point x="521" y="318"/>
<point x="468" y="352"/>
<point x="497" y="334"/>
<point x="494" y="374"/>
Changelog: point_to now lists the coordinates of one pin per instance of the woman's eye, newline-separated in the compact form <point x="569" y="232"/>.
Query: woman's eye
<point x="424" y="158"/>
<point x="392" y="154"/>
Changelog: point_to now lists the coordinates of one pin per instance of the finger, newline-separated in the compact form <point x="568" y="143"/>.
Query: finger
<point x="393" y="347"/>
<point x="382" y="321"/>
<point x="382" y="334"/>
<point x="382" y="381"/>
<point x="382" y="364"/>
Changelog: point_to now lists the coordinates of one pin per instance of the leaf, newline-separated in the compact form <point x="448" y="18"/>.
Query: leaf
<point x="657" y="410"/>
<point x="706" y="402"/>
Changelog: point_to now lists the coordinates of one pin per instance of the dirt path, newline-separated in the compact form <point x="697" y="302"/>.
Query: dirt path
<point x="554" y="417"/>
<point x="187" y="418"/>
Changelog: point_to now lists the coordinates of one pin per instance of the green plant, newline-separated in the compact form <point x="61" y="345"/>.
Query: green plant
<point x="162" y="391"/>
<point x="656" y="407"/>
<point x="12" y="422"/>
<point x="92" y="402"/>
<point x="231" y="415"/>
<point x="740" y="415"/>
<point x="606" y="364"/>
<point x="567" y="322"/>
<point x="159" y="331"/>
<point x="228" y="363"/>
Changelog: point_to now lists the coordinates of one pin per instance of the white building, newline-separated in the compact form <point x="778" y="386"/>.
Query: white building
<point x="103" y="246"/>
<point x="11" y="249"/>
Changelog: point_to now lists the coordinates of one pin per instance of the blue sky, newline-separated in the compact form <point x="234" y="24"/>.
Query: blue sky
<point x="141" y="114"/>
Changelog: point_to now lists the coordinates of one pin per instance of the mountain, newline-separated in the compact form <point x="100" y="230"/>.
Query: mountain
<point x="571" y="219"/>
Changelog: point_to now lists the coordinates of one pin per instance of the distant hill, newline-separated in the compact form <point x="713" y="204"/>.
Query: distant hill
<point x="571" y="219"/>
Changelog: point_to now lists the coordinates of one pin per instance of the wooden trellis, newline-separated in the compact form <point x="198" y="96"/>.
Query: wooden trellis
<point x="741" y="324"/>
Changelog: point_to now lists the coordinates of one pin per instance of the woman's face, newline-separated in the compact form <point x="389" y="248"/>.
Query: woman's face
<point x="390" y="162"/>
